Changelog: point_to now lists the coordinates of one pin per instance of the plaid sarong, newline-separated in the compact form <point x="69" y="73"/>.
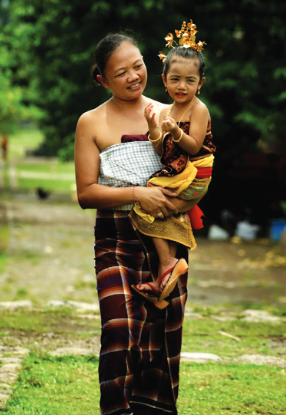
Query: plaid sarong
<point x="140" y="344"/>
<point x="135" y="161"/>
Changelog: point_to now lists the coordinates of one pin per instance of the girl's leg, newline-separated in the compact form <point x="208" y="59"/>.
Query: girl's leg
<point x="166" y="251"/>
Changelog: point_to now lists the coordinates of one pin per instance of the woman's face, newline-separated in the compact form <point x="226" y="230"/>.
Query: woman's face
<point x="125" y="72"/>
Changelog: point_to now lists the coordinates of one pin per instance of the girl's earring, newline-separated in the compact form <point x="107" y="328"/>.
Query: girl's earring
<point x="198" y="92"/>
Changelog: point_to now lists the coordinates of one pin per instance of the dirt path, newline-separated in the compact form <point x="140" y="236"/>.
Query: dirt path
<point x="50" y="257"/>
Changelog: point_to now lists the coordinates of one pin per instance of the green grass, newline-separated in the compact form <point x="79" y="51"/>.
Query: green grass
<point x="4" y="239"/>
<point x="69" y="385"/>
<point x="28" y="140"/>
<point x="51" y="166"/>
<point x="56" y="386"/>
<point x="24" y="140"/>
<point x="60" y="320"/>
<point x="64" y="385"/>
<point x="64" y="186"/>
<point x="203" y="335"/>
<point x="214" y="389"/>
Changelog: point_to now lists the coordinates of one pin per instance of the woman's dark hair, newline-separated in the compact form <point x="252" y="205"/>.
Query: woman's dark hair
<point x="186" y="53"/>
<point x="104" y="50"/>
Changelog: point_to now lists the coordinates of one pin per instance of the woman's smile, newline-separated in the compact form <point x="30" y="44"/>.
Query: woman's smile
<point x="135" y="87"/>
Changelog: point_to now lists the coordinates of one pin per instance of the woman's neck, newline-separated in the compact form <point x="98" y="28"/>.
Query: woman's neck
<point x="120" y="105"/>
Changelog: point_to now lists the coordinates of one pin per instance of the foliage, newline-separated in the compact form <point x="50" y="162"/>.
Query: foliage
<point x="16" y="90"/>
<point x="245" y="48"/>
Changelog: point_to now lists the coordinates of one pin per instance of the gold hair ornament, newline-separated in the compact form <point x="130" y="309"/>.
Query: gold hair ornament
<point x="187" y="36"/>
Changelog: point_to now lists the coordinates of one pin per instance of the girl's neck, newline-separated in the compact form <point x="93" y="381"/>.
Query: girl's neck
<point x="180" y="109"/>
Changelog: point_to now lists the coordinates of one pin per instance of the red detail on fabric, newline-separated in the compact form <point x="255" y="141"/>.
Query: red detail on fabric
<point x="195" y="215"/>
<point x="204" y="172"/>
<point x="196" y="193"/>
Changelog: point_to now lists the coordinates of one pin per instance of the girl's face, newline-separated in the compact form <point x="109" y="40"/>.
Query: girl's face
<point x="183" y="79"/>
<point x="125" y="73"/>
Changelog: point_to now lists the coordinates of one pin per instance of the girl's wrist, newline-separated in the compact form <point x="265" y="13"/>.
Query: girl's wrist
<point x="154" y="130"/>
<point x="154" y="135"/>
<point x="176" y="132"/>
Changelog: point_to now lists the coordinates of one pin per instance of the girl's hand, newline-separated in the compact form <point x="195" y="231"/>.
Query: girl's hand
<point x="169" y="125"/>
<point x="153" y="200"/>
<point x="149" y="114"/>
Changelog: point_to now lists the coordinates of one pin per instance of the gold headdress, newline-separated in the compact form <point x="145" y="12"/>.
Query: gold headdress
<point x="187" y="36"/>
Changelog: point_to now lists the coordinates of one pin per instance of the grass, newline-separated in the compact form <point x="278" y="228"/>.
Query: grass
<point x="48" y="173"/>
<point x="22" y="141"/>
<point x="56" y="386"/>
<point x="64" y="385"/>
<point x="69" y="384"/>
<point x="60" y="321"/>
<point x="4" y="238"/>
<point x="214" y="389"/>
<point x="64" y="186"/>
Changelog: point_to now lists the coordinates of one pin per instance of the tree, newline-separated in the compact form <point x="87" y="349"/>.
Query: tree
<point x="16" y="94"/>
<point x="245" y="55"/>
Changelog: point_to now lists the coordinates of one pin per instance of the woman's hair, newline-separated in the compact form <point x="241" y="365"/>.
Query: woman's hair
<point x="186" y="53"/>
<point x="104" y="50"/>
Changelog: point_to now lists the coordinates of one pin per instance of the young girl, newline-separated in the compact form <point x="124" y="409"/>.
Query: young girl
<point x="184" y="141"/>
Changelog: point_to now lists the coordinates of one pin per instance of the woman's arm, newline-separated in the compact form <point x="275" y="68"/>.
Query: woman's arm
<point x="92" y="195"/>
<point x="193" y="141"/>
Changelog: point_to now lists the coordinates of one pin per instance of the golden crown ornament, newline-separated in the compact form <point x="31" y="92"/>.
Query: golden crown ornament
<point x="187" y="36"/>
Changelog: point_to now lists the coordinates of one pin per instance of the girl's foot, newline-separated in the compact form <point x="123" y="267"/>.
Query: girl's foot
<point x="163" y="268"/>
<point x="179" y="269"/>
<point x="157" y="286"/>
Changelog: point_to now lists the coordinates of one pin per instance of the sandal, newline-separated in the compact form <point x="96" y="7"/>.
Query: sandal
<point x="161" y="304"/>
<point x="179" y="269"/>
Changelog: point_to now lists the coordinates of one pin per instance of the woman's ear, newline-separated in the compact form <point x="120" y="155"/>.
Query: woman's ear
<point x="102" y="81"/>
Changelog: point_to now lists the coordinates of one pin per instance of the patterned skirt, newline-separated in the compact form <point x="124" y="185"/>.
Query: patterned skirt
<point x="140" y="344"/>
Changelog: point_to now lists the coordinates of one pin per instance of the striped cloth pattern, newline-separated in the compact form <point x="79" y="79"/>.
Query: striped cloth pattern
<point x="140" y="344"/>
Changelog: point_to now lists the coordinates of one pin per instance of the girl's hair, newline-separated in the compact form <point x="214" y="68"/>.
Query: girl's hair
<point x="104" y="50"/>
<point x="186" y="53"/>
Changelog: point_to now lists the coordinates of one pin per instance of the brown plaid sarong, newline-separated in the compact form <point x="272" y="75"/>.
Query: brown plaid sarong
<point x="140" y="344"/>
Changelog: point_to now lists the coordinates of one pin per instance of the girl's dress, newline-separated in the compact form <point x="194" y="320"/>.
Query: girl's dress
<point x="140" y="344"/>
<point x="189" y="177"/>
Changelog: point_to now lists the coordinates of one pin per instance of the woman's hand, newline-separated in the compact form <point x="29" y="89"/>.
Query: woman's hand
<point x="185" y="205"/>
<point x="155" y="199"/>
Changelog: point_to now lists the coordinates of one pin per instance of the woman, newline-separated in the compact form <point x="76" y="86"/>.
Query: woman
<point x="140" y="344"/>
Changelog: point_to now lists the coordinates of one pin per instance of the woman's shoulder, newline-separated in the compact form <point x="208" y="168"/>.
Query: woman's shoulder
<point x="158" y="106"/>
<point x="92" y="115"/>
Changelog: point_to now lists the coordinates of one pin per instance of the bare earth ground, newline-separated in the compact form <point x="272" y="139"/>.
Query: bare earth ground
<point x="50" y="257"/>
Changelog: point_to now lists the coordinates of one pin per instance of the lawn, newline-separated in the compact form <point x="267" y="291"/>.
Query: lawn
<point x="60" y="385"/>
<point x="34" y="172"/>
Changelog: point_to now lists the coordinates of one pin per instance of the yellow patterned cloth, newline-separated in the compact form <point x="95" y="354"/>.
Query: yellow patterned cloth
<point x="184" y="184"/>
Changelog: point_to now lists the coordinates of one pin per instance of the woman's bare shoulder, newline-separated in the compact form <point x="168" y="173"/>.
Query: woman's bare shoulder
<point x="158" y="106"/>
<point x="92" y="115"/>
<point x="165" y="110"/>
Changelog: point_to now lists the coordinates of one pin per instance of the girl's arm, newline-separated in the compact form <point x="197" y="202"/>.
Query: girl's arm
<point x="155" y="134"/>
<point x="193" y="141"/>
<point x="92" y="195"/>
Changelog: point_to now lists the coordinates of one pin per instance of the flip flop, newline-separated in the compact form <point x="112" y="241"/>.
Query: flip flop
<point x="161" y="304"/>
<point x="179" y="269"/>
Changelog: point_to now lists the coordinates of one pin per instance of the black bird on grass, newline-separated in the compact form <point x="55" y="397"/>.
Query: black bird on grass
<point x="42" y="193"/>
